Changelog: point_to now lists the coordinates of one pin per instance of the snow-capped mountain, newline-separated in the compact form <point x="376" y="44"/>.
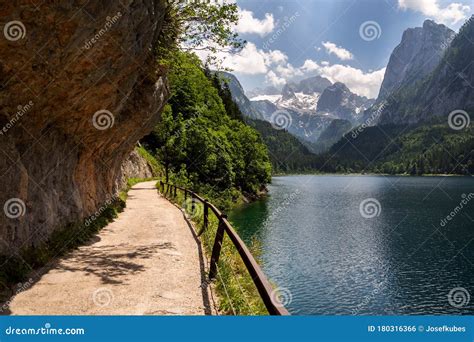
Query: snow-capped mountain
<point x="300" y="96"/>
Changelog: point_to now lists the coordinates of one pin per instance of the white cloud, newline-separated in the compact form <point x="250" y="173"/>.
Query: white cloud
<point x="339" y="51"/>
<point x="275" y="57"/>
<point x="250" y="60"/>
<point x="365" y="84"/>
<point x="249" y="24"/>
<point x="310" y="66"/>
<point x="274" y="80"/>
<point x="451" y="14"/>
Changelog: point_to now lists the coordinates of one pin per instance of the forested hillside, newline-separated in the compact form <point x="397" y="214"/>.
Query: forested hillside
<point x="202" y="141"/>
<point x="396" y="149"/>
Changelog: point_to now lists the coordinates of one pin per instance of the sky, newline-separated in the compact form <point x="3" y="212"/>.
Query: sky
<point x="348" y="41"/>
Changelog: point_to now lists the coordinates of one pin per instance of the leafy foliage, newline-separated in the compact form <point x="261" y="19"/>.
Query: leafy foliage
<point x="202" y="140"/>
<point x="425" y="149"/>
<point x="286" y="152"/>
<point x="198" y="25"/>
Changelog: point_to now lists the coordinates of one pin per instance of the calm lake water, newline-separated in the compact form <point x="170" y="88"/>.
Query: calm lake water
<point x="331" y="260"/>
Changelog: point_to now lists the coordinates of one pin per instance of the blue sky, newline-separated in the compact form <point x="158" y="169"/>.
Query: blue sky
<point x="294" y="39"/>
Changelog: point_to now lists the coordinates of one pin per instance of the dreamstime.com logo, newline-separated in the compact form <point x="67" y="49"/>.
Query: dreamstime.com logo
<point x="102" y="297"/>
<point x="370" y="208"/>
<point x="103" y="119"/>
<point x="281" y="296"/>
<point x="465" y="200"/>
<point x="14" y="208"/>
<point x="458" y="120"/>
<point x="459" y="297"/>
<point x="281" y="119"/>
<point x="14" y="30"/>
<point x="47" y="329"/>
<point x="370" y="30"/>
<point x="22" y="110"/>
<point x="369" y="121"/>
<point x="99" y="211"/>
<point x="287" y="22"/>
<point x="109" y="22"/>
<point x="191" y="207"/>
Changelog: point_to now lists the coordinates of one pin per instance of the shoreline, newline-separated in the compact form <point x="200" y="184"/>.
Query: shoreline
<point x="366" y="174"/>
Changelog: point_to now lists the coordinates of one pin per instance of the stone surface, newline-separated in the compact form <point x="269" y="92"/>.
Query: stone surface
<point x="135" y="166"/>
<point x="419" y="52"/>
<point x="73" y="59"/>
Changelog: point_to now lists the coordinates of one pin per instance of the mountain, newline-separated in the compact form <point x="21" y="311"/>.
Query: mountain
<point x="299" y="96"/>
<point x="312" y="104"/>
<point x="419" y="52"/>
<point x="302" y="124"/>
<point x="397" y="149"/>
<point x="340" y="102"/>
<point x="270" y="90"/>
<point x="449" y="87"/>
<point x="286" y="152"/>
<point x="424" y="124"/>
<point x="238" y="95"/>
<point x="332" y="134"/>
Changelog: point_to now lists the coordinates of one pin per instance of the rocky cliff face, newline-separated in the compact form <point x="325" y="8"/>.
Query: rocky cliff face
<point x="78" y="89"/>
<point x="134" y="166"/>
<point x="342" y="103"/>
<point x="419" y="52"/>
<point x="239" y="97"/>
<point x="449" y="87"/>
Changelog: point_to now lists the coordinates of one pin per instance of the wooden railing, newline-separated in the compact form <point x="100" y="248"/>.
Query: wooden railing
<point x="261" y="282"/>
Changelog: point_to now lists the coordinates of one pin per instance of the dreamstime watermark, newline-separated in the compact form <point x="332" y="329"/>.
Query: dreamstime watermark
<point x="367" y="299"/>
<point x="102" y="297"/>
<point x="370" y="30"/>
<point x="281" y="296"/>
<point x="22" y="110"/>
<point x="370" y="208"/>
<point x="287" y="22"/>
<point x="19" y="288"/>
<point x="14" y="30"/>
<point x="192" y="208"/>
<point x="465" y="200"/>
<point x="99" y="211"/>
<point x="458" y="119"/>
<point x="369" y="121"/>
<point x="109" y="22"/>
<point x="14" y="208"/>
<point x="103" y="119"/>
<point x="281" y="119"/>
<point x="46" y="330"/>
<point x="459" y="297"/>
<point x="286" y="202"/>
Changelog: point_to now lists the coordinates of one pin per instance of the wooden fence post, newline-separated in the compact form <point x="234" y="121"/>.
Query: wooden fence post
<point x="206" y="217"/>
<point x="216" y="249"/>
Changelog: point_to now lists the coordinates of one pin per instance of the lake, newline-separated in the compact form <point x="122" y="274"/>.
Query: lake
<point x="366" y="245"/>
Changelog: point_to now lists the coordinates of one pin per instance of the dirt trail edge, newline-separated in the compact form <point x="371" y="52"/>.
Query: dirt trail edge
<point x="147" y="262"/>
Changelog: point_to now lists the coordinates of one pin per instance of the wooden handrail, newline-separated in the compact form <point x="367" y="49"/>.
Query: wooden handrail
<point x="265" y="289"/>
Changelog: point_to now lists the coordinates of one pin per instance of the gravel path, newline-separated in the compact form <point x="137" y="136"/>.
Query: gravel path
<point x="147" y="262"/>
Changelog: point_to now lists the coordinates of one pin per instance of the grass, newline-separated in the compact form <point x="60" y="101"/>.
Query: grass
<point x="156" y="168"/>
<point x="234" y="286"/>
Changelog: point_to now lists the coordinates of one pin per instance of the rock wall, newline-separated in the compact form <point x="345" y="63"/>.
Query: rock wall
<point x="135" y="166"/>
<point x="79" y="87"/>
